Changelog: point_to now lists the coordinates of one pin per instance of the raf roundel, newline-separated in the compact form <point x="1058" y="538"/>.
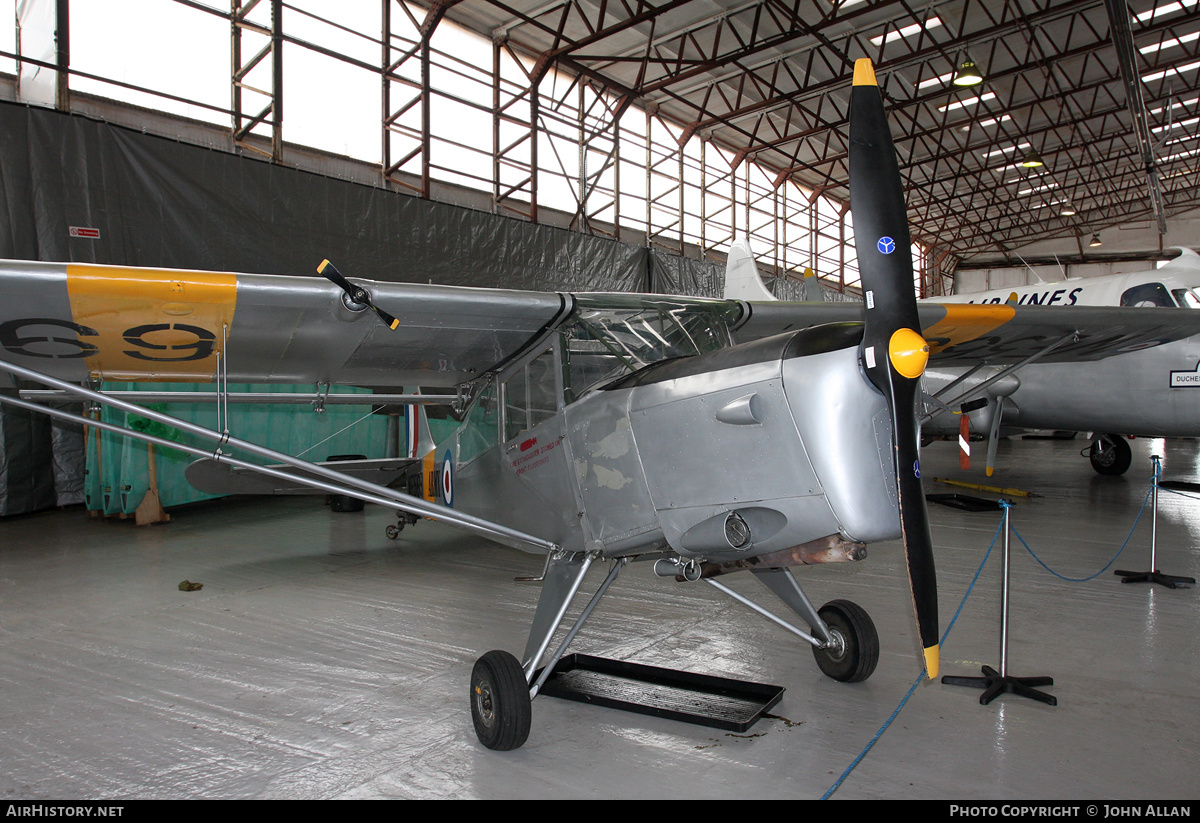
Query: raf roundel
<point x="886" y="245"/>
<point x="448" y="479"/>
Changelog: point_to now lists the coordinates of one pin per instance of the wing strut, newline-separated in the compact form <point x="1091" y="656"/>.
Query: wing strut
<point x="974" y="390"/>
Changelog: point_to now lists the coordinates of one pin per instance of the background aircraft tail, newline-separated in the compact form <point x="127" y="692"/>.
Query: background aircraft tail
<point x="742" y="281"/>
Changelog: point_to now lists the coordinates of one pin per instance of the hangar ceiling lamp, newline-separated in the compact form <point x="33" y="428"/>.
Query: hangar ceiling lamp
<point x="1032" y="160"/>
<point x="1068" y="211"/>
<point x="968" y="74"/>
<point x="1095" y="241"/>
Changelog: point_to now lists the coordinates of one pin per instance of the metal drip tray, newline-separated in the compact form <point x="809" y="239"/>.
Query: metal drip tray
<point x="705" y="700"/>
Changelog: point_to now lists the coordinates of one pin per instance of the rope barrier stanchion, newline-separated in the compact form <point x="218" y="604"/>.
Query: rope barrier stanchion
<point x="996" y="683"/>
<point x="1154" y="575"/>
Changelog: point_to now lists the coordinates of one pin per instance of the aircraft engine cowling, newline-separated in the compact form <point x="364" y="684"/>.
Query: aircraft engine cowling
<point x="797" y="412"/>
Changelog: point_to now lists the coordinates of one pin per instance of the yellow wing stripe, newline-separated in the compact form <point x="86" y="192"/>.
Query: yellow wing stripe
<point x="156" y="324"/>
<point x="966" y="321"/>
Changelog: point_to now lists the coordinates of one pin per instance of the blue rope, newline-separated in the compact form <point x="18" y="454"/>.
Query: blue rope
<point x="916" y="682"/>
<point x="1128" y="537"/>
<point x="1004" y="504"/>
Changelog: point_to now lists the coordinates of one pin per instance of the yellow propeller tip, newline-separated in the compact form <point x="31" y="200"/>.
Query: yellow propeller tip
<point x="321" y="268"/>
<point x="989" y="471"/>
<point x="931" y="662"/>
<point x="864" y="72"/>
<point x="393" y="325"/>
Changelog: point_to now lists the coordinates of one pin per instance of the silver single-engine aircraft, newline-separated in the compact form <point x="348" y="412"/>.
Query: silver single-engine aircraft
<point x="708" y="436"/>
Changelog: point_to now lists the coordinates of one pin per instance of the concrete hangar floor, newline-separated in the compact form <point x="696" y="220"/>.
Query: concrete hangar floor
<point x="322" y="660"/>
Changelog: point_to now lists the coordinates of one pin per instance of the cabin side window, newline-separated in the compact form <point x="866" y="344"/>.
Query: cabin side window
<point x="1148" y="294"/>
<point x="481" y="428"/>
<point x="1186" y="298"/>
<point x="531" y="395"/>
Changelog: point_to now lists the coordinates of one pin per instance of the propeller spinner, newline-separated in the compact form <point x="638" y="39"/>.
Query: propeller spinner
<point x="356" y="294"/>
<point x="893" y="352"/>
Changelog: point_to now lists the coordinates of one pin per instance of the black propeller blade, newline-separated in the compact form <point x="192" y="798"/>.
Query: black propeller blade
<point x="893" y="352"/>
<point x="357" y="294"/>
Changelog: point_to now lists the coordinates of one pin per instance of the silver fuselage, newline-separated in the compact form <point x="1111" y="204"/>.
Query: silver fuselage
<point x="797" y="446"/>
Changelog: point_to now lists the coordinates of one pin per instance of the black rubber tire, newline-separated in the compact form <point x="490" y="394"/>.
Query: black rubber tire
<point x="1112" y="460"/>
<point x="860" y="650"/>
<point x="342" y="502"/>
<point x="500" y="705"/>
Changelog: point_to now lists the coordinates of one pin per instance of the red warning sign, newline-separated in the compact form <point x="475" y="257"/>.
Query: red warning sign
<point x="83" y="231"/>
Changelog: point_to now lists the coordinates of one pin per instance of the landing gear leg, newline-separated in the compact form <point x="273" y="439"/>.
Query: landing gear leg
<point x="501" y="715"/>
<point x="844" y="639"/>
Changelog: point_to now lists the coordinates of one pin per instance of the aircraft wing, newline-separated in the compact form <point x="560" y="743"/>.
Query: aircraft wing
<point x="968" y="333"/>
<point x="73" y="321"/>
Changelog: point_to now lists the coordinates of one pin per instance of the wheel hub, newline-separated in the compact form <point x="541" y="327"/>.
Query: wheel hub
<point x="484" y="704"/>
<point x="836" y="647"/>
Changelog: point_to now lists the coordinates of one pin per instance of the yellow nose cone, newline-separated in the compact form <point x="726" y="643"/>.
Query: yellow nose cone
<point x="908" y="352"/>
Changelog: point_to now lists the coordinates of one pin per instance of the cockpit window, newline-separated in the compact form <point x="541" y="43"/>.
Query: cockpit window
<point x="1148" y="294"/>
<point x="609" y="337"/>
<point x="1186" y="298"/>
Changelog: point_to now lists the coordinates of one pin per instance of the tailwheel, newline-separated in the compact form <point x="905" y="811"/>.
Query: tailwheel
<point x="852" y="656"/>
<point x="500" y="705"/>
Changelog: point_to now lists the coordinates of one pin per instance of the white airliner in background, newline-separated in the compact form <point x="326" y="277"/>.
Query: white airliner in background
<point x="1153" y="392"/>
<point x="1173" y="285"/>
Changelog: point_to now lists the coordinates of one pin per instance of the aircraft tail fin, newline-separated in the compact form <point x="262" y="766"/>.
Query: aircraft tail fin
<point x="742" y="281"/>
<point x="418" y="440"/>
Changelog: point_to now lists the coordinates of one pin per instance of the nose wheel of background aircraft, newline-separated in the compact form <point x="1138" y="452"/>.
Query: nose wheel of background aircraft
<point x="500" y="704"/>
<point x="851" y="658"/>
<point x="1110" y="454"/>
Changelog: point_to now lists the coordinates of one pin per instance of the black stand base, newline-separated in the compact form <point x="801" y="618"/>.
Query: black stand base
<point x="1168" y="580"/>
<point x="995" y="684"/>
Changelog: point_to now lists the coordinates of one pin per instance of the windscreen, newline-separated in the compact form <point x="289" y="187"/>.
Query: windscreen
<point x="610" y="337"/>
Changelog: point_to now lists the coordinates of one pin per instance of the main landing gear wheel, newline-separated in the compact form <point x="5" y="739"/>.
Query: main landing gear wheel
<point x="500" y="705"/>
<point x="1110" y="454"/>
<point x="855" y="651"/>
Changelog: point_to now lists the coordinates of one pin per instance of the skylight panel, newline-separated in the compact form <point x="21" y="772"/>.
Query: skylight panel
<point x="1037" y="189"/>
<point x="994" y="152"/>
<point x="1171" y="43"/>
<point x="1159" y="75"/>
<point x="907" y="31"/>
<point x="991" y="121"/>
<point x="1166" y="8"/>
<point x="940" y="80"/>
<point x="969" y="101"/>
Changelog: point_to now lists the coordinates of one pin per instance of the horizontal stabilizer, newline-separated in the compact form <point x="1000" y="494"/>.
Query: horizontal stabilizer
<point x="216" y="477"/>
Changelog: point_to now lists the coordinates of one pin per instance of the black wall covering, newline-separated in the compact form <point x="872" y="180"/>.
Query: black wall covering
<point x="26" y="462"/>
<point x="158" y="202"/>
